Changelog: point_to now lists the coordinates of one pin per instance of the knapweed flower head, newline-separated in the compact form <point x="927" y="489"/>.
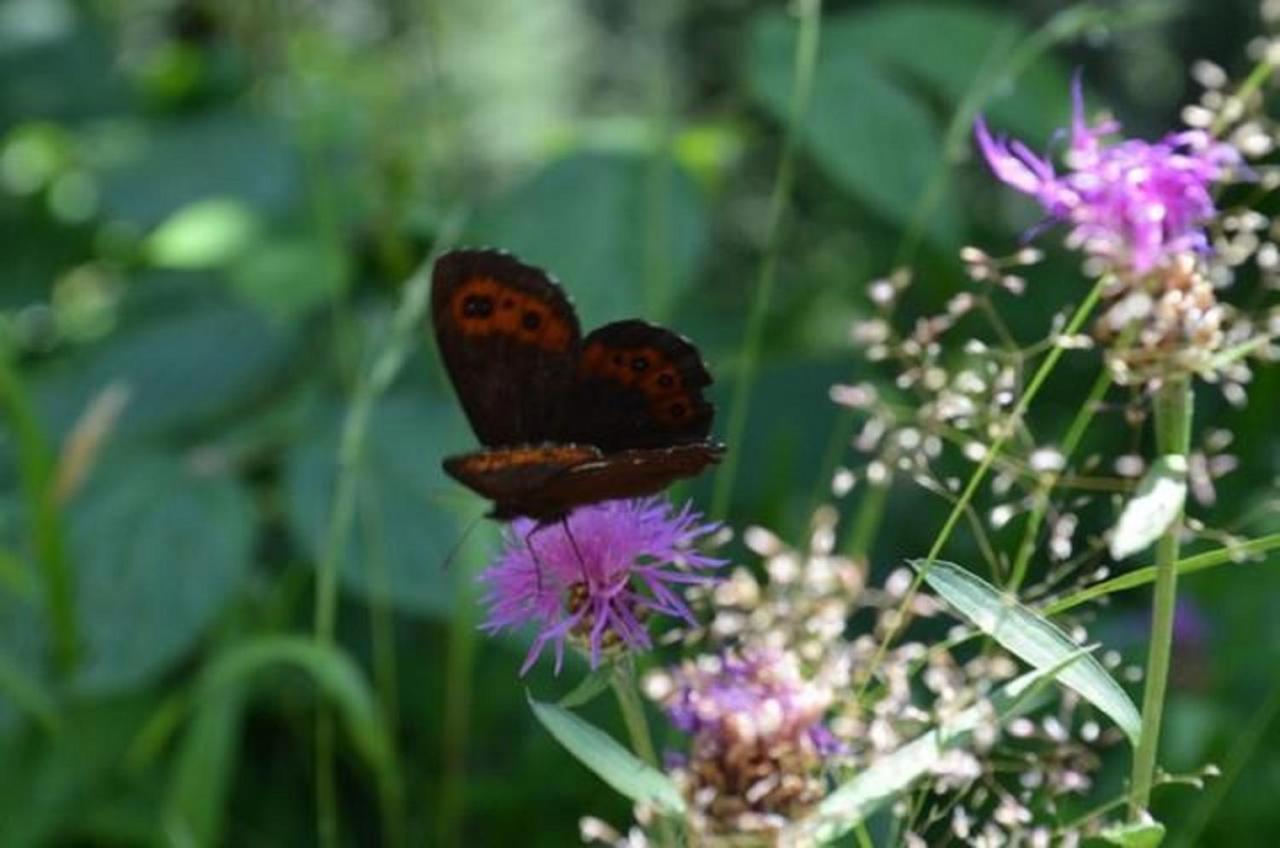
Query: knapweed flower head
<point x="757" y="737"/>
<point x="594" y="579"/>
<point x="1134" y="204"/>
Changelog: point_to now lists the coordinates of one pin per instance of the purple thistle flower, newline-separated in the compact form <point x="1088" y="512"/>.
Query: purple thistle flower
<point x="1134" y="203"/>
<point x="619" y="562"/>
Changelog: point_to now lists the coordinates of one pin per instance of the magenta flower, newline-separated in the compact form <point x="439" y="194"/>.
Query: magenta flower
<point x="620" y="562"/>
<point x="1132" y="203"/>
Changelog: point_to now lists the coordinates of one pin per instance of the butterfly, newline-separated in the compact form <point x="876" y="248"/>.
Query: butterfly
<point x="565" y="421"/>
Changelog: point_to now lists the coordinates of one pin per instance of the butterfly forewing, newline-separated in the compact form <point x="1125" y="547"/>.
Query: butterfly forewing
<point x="638" y="386"/>
<point x="510" y="341"/>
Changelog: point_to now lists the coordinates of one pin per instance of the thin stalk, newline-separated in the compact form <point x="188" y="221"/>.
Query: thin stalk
<point x="36" y="470"/>
<point x="632" y="709"/>
<point x="1143" y="576"/>
<point x="979" y="474"/>
<point x="806" y="61"/>
<point x="460" y="679"/>
<point x="1173" y="407"/>
<point x="866" y="521"/>
<point x="1043" y="492"/>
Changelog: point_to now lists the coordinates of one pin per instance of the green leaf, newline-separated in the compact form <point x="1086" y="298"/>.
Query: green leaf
<point x="159" y="551"/>
<point x="203" y="768"/>
<point x="1031" y="637"/>
<point x="893" y="774"/>
<point x="288" y="276"/>
<point x="589" y="220"/>
<point x="873" y="137"/>
<point x="181" y="366"/>
<point x="611" y="762"/>
<point x="1143" y="834"/>
<point x="225" y="154"/>
<point x="332" y="671"/>
<point x="203" y="234"/>
<point x="1153" y="508"/>
<point x="409" y="516"/>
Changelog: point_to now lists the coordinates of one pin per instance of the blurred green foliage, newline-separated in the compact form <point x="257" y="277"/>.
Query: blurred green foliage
<point x="208" y="211"/>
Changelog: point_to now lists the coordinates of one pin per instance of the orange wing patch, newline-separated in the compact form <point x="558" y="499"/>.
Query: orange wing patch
<point x="646" y="369"/>
<point x="483" y="306"/>
<point x="565" y="456"/>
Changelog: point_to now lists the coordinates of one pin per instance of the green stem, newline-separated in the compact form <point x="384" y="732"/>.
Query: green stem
<point x="1143" y="576"/>
<point x="975" y="480"/>
<point x="805" y="62"/>
<point x="1173" y="407"/>
<point x="866" y="521"/>
<point x="459" y="677"/>
<point x="632" y="708"/>
<point x="1044" y="491"/>
<point x="36" y="469"/>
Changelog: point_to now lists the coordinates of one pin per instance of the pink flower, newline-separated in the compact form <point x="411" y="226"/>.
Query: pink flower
<point x="619" y="562"/>
<point x="1133" y="203"/>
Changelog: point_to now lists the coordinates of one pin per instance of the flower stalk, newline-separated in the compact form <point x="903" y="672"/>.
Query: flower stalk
<point x="1173" y="411"/>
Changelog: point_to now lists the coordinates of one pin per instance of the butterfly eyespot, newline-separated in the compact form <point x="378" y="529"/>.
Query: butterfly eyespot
<point x="640" y="363"/>
<point x="531" y="320"/>
<point x="477" y="306"/>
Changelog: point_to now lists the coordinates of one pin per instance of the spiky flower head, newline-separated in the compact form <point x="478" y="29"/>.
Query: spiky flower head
<point x="596" y="577"/>
<point x="1134" y="204"/>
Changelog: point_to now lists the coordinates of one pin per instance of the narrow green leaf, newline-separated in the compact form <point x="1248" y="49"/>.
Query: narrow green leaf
<point x="1153" y="508"/>
<point x="1030" y="636"/>
<point x="330" y="669"/>
<point x="205" y="764"/>
<point x="886" y="779"/>
<point x="611" y="762"/>
<point x="1142" y="834"/>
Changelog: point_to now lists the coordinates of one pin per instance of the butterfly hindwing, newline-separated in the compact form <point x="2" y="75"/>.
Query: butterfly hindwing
<point x="510" y="341"/>
<point x="638" y="386"/>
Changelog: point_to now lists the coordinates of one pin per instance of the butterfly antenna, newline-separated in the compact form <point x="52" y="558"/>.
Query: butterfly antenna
<point x="457" y="546"/>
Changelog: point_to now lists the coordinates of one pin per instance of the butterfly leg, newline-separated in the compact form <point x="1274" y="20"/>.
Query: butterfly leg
<point x="533" y="552"/>
<point x="564" y="522"/>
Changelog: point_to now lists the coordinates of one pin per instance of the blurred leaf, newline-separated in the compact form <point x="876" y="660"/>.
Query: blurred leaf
<point x="159" y="551"/>
<point x="1153" y="508"/>
<point x="229" y="154"/>
<point x="287" y="277"/>
<point x="67" y="76"/>
<point x="406" y="524"/>
<point x="614" y="764"/>
<point x="875" y="138"/>
<point x="1145" y="834"/>
<point x="1033" y="638"/>
<point x="204" y="766"/>
<point x="202" y="234"/>
<point x="891" y="775"/>
<point x="949" y="46"/>
<point x="28" y="694"/>
<point x="180" y="367"/>
<point x="332" y="671"/>
<point x="592" y="221"/>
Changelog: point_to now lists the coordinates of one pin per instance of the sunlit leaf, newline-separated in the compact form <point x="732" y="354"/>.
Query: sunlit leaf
<point x="1030" y="636"/>
<point x="203" y="234"/>
<point x="1153" y="508"/>
<point x="611" y="762"/>
<point x="1141" y="834"/>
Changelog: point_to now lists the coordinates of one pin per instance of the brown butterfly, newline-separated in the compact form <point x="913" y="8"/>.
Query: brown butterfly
<point x="565" y="420"/>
